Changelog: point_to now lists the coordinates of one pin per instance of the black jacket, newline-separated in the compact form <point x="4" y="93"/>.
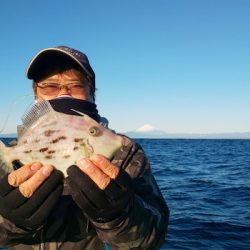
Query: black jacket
<point x="143" y="227"/>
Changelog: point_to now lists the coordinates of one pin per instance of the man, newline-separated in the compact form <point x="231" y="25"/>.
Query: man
<point x="101" y="204"/>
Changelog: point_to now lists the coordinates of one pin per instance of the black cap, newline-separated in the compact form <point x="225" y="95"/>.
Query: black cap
<point x="51" y="54"/>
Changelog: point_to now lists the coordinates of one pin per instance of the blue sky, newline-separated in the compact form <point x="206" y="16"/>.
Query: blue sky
<point x="178" y="65"/>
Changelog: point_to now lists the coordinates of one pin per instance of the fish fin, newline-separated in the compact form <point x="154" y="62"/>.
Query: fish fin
<point x="5" y="167"/>
<point x="20" y="130"/>
<point x="38" y="110"/>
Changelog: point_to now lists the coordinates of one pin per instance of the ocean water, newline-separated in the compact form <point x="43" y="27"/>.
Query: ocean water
<point x="206" y="184"/>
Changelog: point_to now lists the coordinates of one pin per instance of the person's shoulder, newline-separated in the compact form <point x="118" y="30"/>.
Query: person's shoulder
<point x="130" y="146"/>
<point x="128" y="141"/>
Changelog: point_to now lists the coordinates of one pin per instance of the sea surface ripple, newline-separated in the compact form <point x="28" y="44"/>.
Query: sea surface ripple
<point x="206" y="184"/>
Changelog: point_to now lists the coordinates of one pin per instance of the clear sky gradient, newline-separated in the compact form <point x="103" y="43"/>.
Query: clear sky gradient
<point x="182" y="66"/>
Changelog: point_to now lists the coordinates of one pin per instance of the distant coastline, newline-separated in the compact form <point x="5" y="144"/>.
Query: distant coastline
<point x="12" y="135"/>
<point x="163" y="135"/>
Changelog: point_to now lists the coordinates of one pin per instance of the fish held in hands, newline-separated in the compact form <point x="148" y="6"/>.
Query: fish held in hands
<point x="58" y="139"/>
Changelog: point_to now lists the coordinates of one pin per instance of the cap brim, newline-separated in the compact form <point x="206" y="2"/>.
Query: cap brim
<point x="36" y="62"/>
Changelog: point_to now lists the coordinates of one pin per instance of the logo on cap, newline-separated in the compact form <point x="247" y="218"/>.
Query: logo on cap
<point x="80" y="56"/>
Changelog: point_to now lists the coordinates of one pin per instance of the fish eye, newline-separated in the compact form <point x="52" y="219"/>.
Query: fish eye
<point x="93" y="131"/>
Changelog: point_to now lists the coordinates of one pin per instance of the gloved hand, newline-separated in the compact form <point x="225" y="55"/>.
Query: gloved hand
<point x="30" y="213"/>
<point x="100" y="205"/>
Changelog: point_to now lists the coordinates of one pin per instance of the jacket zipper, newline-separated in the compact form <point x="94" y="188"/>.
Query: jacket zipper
<point x="42" y="244"/>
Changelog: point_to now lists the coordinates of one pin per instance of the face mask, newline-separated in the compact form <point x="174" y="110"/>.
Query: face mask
<point x="65" y="104"/>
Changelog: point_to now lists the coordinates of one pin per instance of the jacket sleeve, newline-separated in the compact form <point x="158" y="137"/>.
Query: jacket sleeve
<point x="11" y="235"/>
<point x="146" y="221"/>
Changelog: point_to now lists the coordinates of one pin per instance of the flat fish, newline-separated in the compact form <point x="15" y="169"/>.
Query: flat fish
<point x="59" y="139"/>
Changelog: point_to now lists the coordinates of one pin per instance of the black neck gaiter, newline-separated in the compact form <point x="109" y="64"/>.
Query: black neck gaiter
<point x="66" y="104"/>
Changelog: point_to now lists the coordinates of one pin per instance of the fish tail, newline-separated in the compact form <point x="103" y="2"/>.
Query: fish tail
<point x="5" y="167"/>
